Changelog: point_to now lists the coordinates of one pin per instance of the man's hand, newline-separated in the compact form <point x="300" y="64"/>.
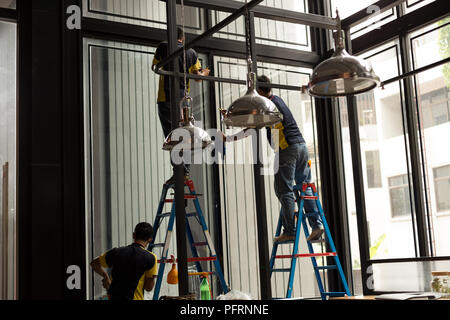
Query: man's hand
<point x="106" y="281"/>
<point x="204" y="72"/>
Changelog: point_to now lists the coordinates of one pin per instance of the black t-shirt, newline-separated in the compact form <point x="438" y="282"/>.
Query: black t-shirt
<point x="192" y="64"/>
<point x="130" y="266"/>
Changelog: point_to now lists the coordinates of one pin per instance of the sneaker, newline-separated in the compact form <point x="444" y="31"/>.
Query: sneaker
<point x="283" y="238"/>
<point x="315" y="234"/>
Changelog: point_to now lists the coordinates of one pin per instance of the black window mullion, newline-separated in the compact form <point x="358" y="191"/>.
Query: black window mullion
<point x="417" y="173"/>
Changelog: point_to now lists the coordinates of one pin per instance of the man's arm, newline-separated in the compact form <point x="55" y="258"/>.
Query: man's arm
<point x="149" y="283"/>
<point x="97" y="267"/>
<point x="150" y="275"/>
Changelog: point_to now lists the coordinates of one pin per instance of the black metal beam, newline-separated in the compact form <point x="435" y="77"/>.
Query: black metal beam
<point x="109" y="30"/>
<point x="365" y="14"/>
<point x="407" y="23"/>
<point x="209" y="32"/>
<point x="7" y="14"/>
<point x="415" y="150"/>
<point x="415" y="71"/>
<point x="266" y="12"/>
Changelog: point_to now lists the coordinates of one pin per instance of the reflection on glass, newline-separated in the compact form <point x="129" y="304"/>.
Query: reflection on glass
<point x="10" y="4"/>
<point x="432" y="89"/>
<point x="384" y="160"/>
<point x="8" y="245"/>
<point x="238" y="195"/>
<point x="269" y="32"/>
<point x="126" y="165"/>
<point x="149" y="13"/>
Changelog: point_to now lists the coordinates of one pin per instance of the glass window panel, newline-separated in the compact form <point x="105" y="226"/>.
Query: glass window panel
<point x="388" y="237"/>
<point x="347" y="8"/>
<point x="149" y="13"/>
<point x="8" y="214"/>
<point x="126" y="167"/>
<point x="432" y="89"/>
<point x="237" y="181"/>
<point x="411" y="5"/>
<point x="269" y="32"/>
<point x="10" y="4"/>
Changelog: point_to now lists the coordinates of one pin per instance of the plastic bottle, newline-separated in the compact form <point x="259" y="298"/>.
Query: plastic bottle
<point x="204" y="290"/>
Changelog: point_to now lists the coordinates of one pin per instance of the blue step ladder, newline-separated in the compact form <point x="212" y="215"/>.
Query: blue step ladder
<point x="198" y="214"/>
<point x="301" y="195"/>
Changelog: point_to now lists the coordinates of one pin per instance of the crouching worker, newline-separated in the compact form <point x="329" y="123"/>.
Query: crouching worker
<point x="133" y="268"/>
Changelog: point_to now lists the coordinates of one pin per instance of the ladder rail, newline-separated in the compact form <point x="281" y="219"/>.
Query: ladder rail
<point x="302" y="196"/>
<point x="196" y="258"/>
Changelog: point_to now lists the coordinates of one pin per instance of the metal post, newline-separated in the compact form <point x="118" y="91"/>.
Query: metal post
<point x="183" y="288"/>
<point x="358" y="182"/>
<point x="414" y="138"/>
<point x="5" y="210"/>
<point x="260" y="193"/>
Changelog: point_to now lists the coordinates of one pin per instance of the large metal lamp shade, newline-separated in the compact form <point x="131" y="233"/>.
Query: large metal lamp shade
<point x="342" y="74"/>
<point x="187" y="136"/>
<point x="252" y="110"/>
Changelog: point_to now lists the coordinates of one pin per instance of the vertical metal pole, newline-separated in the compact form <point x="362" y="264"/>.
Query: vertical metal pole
<point x="358" y="181"/>
<point x="260" y="193"/>
<point x="183" y="288"/>
<point x="5" y="210"/>
<point x="415" y="152"/>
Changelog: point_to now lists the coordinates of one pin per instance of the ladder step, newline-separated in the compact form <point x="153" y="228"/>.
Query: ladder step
<point x="282" y="270"/>
<point x="163" y="215"/>
<point x="200" y="244"/>
<point x="335" y="294"/>
<point x="317" y="241"/>
<point x="332" y="267"/>
<point x="188" y="260"/>
<point x="167" y="214"/>
<point x="307" y="255"/>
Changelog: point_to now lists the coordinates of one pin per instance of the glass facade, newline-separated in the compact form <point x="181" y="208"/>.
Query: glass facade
<point x="10" y="4"/>
<point x="432" y="95"/>
<point x="347" y="8"/>
<point x="127" y="166"/>
<point x="388" y="190"/>
<point x="269" y="32"/>
<point x="236" y="179"/>
<point x="148" y="13"/>
<point x="8" y="212"/>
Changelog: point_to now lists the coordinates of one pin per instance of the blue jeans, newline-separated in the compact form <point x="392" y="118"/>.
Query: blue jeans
<point x="293" y="165"/>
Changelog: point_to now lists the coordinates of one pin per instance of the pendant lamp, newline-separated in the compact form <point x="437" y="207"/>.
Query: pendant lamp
<point x="187" y="136"/>
<point x="252" y="110"/>
<point x="342" y="74"/>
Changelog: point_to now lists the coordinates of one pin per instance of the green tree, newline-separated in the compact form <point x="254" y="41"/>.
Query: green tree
<point x="444" y="47"/>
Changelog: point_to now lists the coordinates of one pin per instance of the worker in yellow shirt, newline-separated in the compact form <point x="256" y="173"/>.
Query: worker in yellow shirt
<point x="133" y="268"/>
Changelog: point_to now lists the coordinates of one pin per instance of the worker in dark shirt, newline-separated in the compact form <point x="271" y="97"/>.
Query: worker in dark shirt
<point x="133" y="268"/>
<point x="292" y="156"/>
<point x="193" y="66"/>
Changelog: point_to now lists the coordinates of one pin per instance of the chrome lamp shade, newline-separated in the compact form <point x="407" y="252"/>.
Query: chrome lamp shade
<point x="252" y="110"/>
<point x="187" y="136"/>
<point x="342" y="75"/>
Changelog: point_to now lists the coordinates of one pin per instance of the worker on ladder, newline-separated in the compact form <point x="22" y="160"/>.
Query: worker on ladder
<point x="292" y="158"/>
